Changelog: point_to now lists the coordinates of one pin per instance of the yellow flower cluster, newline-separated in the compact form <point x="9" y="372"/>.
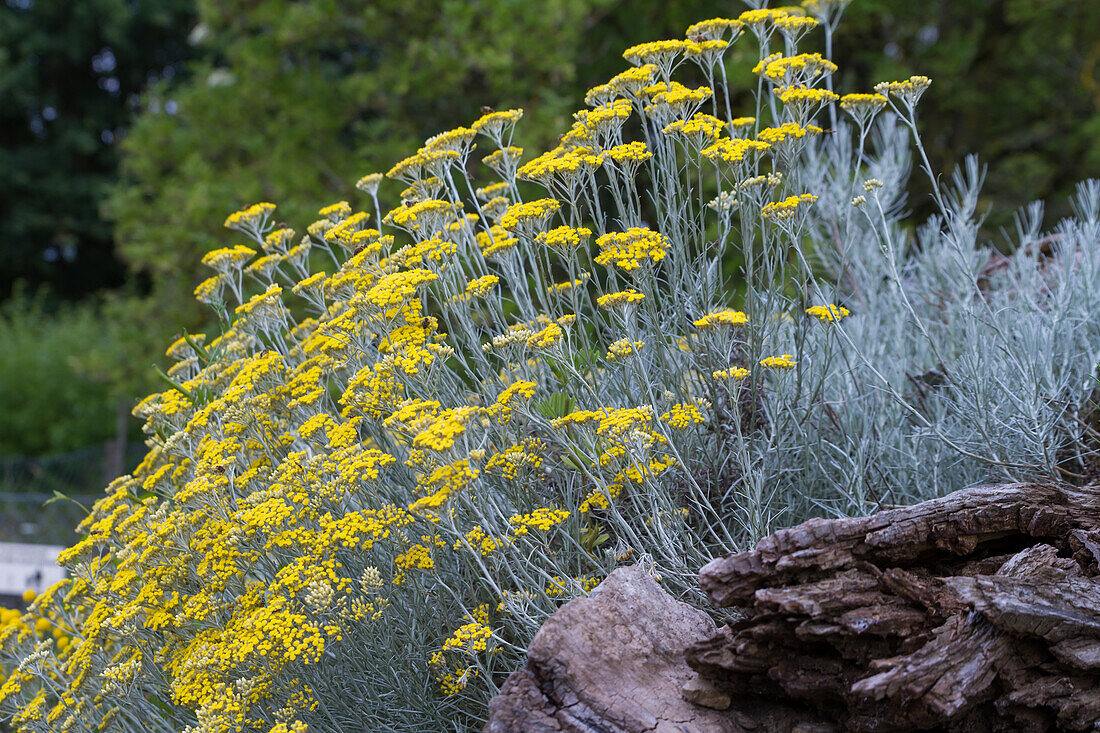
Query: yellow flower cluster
<point x="713" y="29"/>
<point x="496" y="241"/>
<point x="424" y="164"/>
<point x="250" y="218"/>
<point x="512" y="461"/>
<point x="798" y="70"/>
<point x="908" y="91"/>
<point x="683" y="415"/>
<point x="541" y="519"/>
<point x="630" y="83"/>
<point x="700" y="129"/>
<point x="494" y="124"/>
<point x="441" y="434"/>
<point x="623" y="348"/>
<point x="828" y="313"/>
<point x="629" y="250"/>
<point x="857" y="102"/>
<point x="786" y="361"/>
<point x="733" y="150"/>
<point x="805" y="97"/>
<point x="788" y="207"/>
<point x="336" y="212"/>
<point x="425" y="217"/>
<point x="477" y="539"/>
<point x="395" y="289"/>
<point x="635" y="152"/>
<point x="622" y="299"/>
<point x="565" y="239"/>
<point x="727" y="318"/>
<point x="479" y="287"/>
<point x="761" y="16"/>
<point x="526" y="217"/>
<point x="228" y="258"/>
<point x="369" y="183"/>
<point x="661" y="54"/>
<point x="796" y="25"/>
<point x="550" y="335"/>
<point x="774" y="136"/>
<point x="504" y="161"/>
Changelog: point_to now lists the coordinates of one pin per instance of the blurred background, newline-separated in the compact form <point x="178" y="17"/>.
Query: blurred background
<point x="129" y="129"/>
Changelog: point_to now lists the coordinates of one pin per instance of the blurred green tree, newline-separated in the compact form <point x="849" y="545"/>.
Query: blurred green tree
<point x="48" y="402"/>
<point x="70" y="74"/>
<point x="1016" y="81"/>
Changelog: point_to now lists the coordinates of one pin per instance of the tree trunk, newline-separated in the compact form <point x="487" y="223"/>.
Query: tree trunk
<point x="979" y="611"/>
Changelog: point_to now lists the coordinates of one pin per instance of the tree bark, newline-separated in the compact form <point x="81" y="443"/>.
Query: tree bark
<point x="978" y="611"/>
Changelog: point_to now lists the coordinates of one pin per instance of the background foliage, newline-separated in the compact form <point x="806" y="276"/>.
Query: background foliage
<point x="70" y="78"/>
<point x="290" y="102"/>
<point x="37" y="355"/>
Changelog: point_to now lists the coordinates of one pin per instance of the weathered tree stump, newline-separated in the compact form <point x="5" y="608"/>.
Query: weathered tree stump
<point x="614" y="663"/>
<point x="979" y="611"/>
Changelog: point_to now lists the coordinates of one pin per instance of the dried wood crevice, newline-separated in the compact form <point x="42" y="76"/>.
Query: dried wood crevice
<point x="979" y="611"/>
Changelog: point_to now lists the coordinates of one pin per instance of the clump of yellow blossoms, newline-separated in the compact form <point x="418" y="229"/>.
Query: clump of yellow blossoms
<point x="629" y="250"/>
<point x="722" y="318"/>
<point x="828" y="313"/>
<point x="625" y="298"/>
<point x="786" y="361"/>
<point x="788" y="207"/>
<point x="733" y="373"/>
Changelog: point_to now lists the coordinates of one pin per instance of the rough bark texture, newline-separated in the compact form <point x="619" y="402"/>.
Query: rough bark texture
<point x="979" y="611"/>
<point x="614" y="663"/>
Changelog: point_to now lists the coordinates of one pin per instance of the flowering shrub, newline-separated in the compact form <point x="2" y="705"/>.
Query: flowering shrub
<point x="413" y="440"/>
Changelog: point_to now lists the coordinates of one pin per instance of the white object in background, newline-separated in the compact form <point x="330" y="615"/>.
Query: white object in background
<point x="24" y="566"/>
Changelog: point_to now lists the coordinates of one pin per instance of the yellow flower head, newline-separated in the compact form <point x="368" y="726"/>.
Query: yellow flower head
<point x="623" y="348"/>
<point x="757" y="19"/>
<point x="631" y="82"/>
<point x="701" y="129"/>
<point x="565" y="239"/>
<point x="786" y="361"/>
<point x="458" y="140"/>
<point x="787" y="208"/>
<point x="527" y="218"/>
<point x="369" y="183"/>
<point x="336" y="212"/>
<point x="251" y="218"/>
<point x="630" y="249"/>
<point x="909" y="91"/>
<point x="494" y="124"/>
<point x="723" y="318"/>
<point x="228" y="259"/>
<point x="661" y="54"/>
<point x="733" y="374"/>
<point x="828" y="313"/>
<point x="714" y="29"/>
<point x="798" y="70"/>
<point x="624" y="299"/>
<point x="733" y="150"/>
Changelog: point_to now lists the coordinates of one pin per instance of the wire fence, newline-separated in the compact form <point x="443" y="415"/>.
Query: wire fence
<point x="30" y="510"/>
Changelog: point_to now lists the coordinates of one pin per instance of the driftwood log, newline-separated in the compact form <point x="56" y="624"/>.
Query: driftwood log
<point x="614" y="663"/>
<point x="979" y="611"/>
